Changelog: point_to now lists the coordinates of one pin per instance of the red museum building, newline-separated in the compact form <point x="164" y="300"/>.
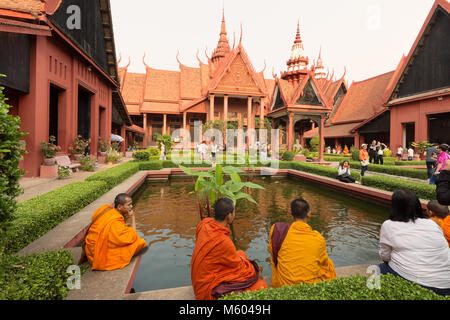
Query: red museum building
<point x="62" y="79"/>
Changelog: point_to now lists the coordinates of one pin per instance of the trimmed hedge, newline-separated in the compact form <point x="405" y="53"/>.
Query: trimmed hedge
<point x="349" y="288"/>
<point x="116" y="175"/>
<point x="410" y="163"/>
<point x="315" y="169"/>
<point x="35" y="217"/>
<point x="40" y="276"/>
<point x="393" y="170"/>
<point x="421" y="190"/>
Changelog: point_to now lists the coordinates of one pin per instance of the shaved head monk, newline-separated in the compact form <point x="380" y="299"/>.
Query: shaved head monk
<point x="299" y="254"/>
<point x="217" y="268"/>
<point x="110" y="243"/>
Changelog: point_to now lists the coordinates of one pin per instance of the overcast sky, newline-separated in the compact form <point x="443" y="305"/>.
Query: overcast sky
<point x="368" y="37"/>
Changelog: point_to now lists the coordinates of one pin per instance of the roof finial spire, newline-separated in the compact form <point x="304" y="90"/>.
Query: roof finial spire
<point x="297" y="36"/>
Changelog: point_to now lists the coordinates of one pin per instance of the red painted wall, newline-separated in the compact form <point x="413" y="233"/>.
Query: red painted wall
<point x="416" y="112"/>
<point x="54" y="63"/>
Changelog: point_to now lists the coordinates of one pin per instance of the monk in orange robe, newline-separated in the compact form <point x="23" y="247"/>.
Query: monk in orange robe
<point x="299" y="254"/>
<point x="110" y="244"/>
<point x="217" y="268"/>
<point x="440" y="214"/>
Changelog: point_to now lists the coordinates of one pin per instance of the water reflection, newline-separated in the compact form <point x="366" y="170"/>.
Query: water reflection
<point x="167" y="217"/>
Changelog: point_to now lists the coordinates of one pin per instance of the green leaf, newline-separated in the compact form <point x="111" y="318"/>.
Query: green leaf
<point x="219" y="175"/>
<point x="246" y="196"/>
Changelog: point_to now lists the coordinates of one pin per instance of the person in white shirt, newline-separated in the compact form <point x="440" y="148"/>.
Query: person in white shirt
<point x="399" y="153"/>
<point x="344" y="174"/>
<point x="410" y="154"/>
<point x="413" y="246"/>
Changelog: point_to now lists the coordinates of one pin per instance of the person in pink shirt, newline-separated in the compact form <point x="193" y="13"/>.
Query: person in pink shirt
<point x="441" y="161"/>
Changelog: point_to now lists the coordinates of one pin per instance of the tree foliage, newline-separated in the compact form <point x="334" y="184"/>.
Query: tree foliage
<point x="11" y="152"/>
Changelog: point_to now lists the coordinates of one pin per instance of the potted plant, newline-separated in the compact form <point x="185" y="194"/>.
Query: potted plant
<point x="63" y="172"/>
<point x="79" y="146"/>
<point x="49" y="150"/>
<point x="422" y="146"/>
<point x="103" y="146"/>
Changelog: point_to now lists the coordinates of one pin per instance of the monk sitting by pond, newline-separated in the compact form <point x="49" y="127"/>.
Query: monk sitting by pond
<point x="299" y="254"/>
<point x="217" y="268"/>
<point x="110" y="243"/>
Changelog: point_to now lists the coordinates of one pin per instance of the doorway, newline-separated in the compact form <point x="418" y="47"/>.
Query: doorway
<point x="439" y="128"/>
<point x="409" y="130"/>
<point x="53" y="113"/>
<point x="84" y="113"/>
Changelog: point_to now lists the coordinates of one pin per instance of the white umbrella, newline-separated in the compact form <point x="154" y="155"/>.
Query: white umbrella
<point x="116" y="138"/>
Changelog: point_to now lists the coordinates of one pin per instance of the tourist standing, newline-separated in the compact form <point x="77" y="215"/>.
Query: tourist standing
<point x="380" y="152"/>
<point x="413" y="246"/>
<point x="364" y="158"/>
<point x="410" y="153"/>
<point x="373" y="152"/>
<point x="431" y="153"/>
<point x="399" y="153"/>
<point x="441" y="162"/>
<point x="443" y="186"/>
<point x="163" y="151"/>
<point x="214" y="148"/>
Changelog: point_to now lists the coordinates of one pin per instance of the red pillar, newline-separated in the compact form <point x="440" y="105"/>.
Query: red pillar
<point x="290" y="131"/>
<point x="124" y="145"/>
<point x="321" y="140"/>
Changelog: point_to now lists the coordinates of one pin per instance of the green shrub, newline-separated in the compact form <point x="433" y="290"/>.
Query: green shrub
<point x="336" y="159"/>
<point x="315" y="169"/>
<point x="141" y="155"/>
<point x="150" y="165"/>
<point x="35" y="217"/>
<point x="288" y="156"/>
<point x="314" y="143"/>
<point x="410" y="163"/>
<point x="355" y="155"/>
<point x="153" y="152"/>
<point x="393" y="170"/>
<point x="35" y="277"/>
<point x="87" y="163"/>
<point x="421" y="190"/>
<point x="116" y="175"/>
<point x="10" y="154"/>
<point x="349" y="288"/>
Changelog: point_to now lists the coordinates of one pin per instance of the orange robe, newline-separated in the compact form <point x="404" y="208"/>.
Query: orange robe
<point x="445" y="225"/>
<point x="110" y="244"/>
<point x="302" y="257"/>
<point x="216" y="260"/>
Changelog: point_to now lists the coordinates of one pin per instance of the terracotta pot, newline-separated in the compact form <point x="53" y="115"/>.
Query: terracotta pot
<point x="102" y="153"/>
<point x="77" y="156"/>
<point x="49" y="161"/>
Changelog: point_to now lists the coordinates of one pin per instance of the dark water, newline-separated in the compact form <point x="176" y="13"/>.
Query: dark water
<point x="167" y="217"/>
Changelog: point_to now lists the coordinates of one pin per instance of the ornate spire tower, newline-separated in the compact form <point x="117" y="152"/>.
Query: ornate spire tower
<point x="223" y="47"/>
<point x="319" y="69"/>
<point x="297" y="64"/>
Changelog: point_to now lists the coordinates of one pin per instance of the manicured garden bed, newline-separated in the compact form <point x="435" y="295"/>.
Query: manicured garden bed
<point x="40" y="276"/>
<point x="349" y="288"/>
<point x="393" y="170"/>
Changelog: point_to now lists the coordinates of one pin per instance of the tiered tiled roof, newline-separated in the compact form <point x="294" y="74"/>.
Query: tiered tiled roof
<point x="363" y="100"/>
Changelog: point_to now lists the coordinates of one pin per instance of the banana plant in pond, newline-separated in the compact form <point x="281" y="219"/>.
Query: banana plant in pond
<point x="211" y="186"/>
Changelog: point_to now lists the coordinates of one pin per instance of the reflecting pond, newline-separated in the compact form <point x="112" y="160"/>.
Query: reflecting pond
<point x="167" y="217"/>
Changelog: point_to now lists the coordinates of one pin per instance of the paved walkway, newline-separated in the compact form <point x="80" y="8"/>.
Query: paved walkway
<point x="36" y="186"/>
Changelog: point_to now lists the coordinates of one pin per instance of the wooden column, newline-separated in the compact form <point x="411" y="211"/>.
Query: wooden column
<point x="321" y="140"/>
<point x="145" y="131"/>
<point x="185" y="134"/>
<point x="261" y="113"/>
<point x="124" y="145"/>
<point x="249" y="113"/>
<point x="211" y="107"/>
<point x="164" y="123"/>
<point x="290" y="131"/>
<point x="225" y="109"/>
